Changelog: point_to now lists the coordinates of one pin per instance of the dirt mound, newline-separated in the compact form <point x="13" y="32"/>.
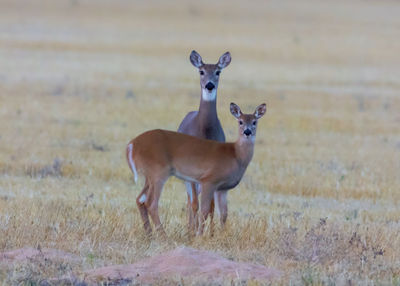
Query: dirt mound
<point x="183" y="262"/>
<point x="32" y="254"/>
<point x="186" y="263"/>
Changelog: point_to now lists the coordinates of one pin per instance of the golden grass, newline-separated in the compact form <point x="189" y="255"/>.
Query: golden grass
<point x="320" y="200"/>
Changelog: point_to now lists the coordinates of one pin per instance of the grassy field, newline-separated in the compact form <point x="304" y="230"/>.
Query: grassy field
<point x="320" y="200"/>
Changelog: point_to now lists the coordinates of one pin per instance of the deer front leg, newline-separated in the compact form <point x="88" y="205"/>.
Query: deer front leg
<point x="222" y="199"/>
<point x="207" y="193"/>
<point x="212" y="207"/>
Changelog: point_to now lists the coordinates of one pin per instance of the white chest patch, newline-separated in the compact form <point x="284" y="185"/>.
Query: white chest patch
<point x="209" y="96"/>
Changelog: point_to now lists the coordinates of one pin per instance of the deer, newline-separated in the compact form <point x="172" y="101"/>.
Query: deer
<point x="204" y="123"/>
<point x="216" y="166"/>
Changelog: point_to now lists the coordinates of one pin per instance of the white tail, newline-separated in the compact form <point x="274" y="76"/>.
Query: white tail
<point x="130" y="161"/>
<point x="159" y="154"/>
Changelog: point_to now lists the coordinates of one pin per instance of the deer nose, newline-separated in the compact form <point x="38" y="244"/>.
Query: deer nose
<point x="210" y="86"/>
<point x="247" y="132"/>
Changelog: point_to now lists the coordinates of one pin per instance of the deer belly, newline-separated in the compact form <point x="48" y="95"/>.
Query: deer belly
<point x="185" y="177"/>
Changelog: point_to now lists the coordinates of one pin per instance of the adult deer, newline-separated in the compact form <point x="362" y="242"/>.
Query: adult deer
<point x="216" y="166"/>
<point x="204" y="123"/>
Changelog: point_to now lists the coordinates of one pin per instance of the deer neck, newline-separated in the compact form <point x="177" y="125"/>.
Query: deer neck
<point x="244" y="149"/>
<point x="208" y="109"/>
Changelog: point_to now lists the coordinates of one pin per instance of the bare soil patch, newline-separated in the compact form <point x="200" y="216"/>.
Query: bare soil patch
<point x="184" y="262"/>
<point x="180" y="263"/>
<point x="29" y="254"/>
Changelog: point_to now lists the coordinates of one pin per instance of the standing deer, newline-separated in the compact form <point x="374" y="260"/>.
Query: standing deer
<point x="204" y="123"/>
<point x="215" y="166"/>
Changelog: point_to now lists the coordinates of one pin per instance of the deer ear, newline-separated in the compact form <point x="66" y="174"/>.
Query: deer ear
<point x="235" y="110"/>
<point x="195" y="59"/>
<point x="260" y="110"/>
<point x="224" y="60"/>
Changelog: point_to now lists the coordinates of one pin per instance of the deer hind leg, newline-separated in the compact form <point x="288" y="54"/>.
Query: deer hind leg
<point x="141" y="203"/>
<point x="152" y="205"/>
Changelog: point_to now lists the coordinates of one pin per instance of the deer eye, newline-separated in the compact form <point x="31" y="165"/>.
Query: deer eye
<point x="202" y="72"/>
<point x="254" y="122"/>
<point x="241" y="122"/>
<point x="217" y="72"/>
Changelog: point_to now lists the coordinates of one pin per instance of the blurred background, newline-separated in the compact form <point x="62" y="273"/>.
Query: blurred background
<point x="80" y="74"/>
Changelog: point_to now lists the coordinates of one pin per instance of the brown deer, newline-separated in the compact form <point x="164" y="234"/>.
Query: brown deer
<point x="204" y="123"/>
<point x="215" y="166"/>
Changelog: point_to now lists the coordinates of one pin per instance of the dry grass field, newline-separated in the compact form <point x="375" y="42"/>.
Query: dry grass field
<point x="321" y="199"/>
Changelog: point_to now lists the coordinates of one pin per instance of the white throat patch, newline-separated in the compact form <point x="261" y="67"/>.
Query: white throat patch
<point x="209" y="96"/>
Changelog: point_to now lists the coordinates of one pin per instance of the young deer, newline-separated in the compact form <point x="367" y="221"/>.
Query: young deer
<point x="204" y="123"/>
<point x="215" y="166"/>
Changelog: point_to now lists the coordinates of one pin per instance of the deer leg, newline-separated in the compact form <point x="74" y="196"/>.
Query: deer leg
<point x="140" y="201"/>
<point x="195" y="203"/>
<point x="192" y="205"/>
<point x="212" y="206"/>
<point x="222" y="199"/>
<point x="152" y="206"/>
<point x="189" y="211"/>
<point x="207" y="192"/>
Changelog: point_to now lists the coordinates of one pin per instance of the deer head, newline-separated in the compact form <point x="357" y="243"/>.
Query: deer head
<point x="209" y="74"/>
<point x="248" y="122"/>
